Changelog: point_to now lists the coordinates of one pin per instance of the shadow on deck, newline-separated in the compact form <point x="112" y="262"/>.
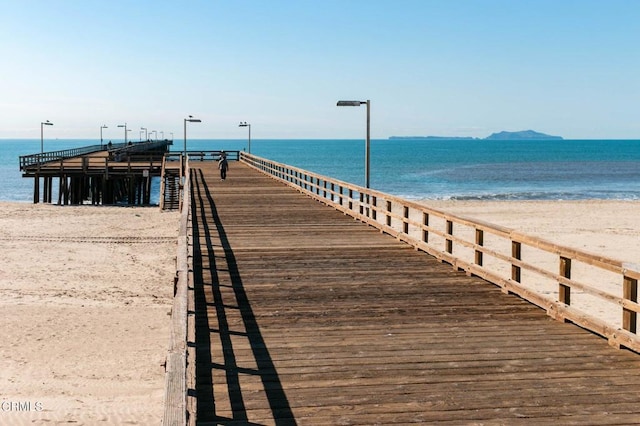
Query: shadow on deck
<point x="304" y="315"/>
<point x="209" y="265"/>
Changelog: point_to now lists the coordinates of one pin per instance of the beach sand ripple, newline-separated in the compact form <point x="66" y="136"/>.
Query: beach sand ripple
<point x="86" y="296"/>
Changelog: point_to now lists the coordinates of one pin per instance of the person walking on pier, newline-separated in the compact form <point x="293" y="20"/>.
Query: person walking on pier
<point x="223" y="165"/>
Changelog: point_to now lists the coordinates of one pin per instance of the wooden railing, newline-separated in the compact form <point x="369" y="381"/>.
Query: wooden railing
<point x="175" y="401"/>
<point x="592" y="291"/>
<point x="45" y="157"/>
<point x="213" y="155"/>
<point x="31" y="160"/>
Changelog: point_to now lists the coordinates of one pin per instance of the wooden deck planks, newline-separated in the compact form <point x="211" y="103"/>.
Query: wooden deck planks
<point x="305" y="316"/>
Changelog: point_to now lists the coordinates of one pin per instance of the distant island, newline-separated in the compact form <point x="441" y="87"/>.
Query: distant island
<point x="522" y="135"/>
<point x="503" y="136"/>
<point x="437" y="138"/>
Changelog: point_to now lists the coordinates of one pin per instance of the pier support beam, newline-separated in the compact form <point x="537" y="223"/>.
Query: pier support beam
<point x="36" y="189"/>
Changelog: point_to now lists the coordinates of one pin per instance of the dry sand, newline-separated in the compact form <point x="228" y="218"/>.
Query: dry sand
<point x="85" y="294"/>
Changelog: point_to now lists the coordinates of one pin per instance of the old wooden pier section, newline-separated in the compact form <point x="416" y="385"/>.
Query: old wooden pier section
<point x="305" y="300"/>
<point x="98" y="174"/>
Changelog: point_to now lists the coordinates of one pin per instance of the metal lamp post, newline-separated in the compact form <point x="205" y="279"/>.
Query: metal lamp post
<point x="191" y="120"/>
<point x="104" y="126"/>
<point x="42" y="124"/>
<point x="368" y="142"/>
<point x="146" y="136"/>
<point x="245" y="124"/>
<point x="125" y="131"/>
<point x="154" y="135"/>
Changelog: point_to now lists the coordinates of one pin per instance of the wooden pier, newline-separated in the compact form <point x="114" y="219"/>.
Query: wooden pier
<point x="99" y="174"/>
<point x="300" y="314"/>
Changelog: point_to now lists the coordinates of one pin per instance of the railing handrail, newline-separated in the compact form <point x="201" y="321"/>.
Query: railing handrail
<point x="413" y="223"/>
<point x="212" y="155"/>
<point x="46" y="157"/>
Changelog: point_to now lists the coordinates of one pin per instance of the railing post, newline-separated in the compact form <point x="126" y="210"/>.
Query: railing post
<point x="374" y="210"/>
<point x="448" y="240"/>
<point x="425" y="224"/>
<point x="479" y="243"/>
<point x="564" y="291"/>
<point x="405" y="222"/>
<point x="361" y="203"/>
<point x="350" y="199"/>
<point x="630" y="292"/>
<point x="388" y="213"/>
<point x="516" y="253"/>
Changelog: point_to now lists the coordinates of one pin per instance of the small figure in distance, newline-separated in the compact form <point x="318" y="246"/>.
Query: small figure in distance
<point x="223" y="165"/>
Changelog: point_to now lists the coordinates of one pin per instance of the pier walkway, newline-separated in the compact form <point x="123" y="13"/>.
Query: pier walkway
<point x="304" y="315"/>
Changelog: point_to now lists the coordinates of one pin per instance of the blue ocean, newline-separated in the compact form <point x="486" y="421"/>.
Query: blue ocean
<point x="419" y="168"/>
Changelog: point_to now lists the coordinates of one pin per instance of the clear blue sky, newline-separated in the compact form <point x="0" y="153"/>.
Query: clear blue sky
<point x="430" y="67"/>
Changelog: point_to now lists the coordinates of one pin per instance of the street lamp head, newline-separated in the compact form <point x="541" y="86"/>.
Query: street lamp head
<point x="244" y="124"/>
<point x="351" y="103"/>
<point x="104" y="126"/>
<point x="47" y="123"/>
<point x="122" y="125"/>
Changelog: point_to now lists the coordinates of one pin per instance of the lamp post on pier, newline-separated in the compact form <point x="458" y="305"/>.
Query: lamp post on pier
<point x="104" y="126"/>
<point x="125" y="131"/>
<point x="190" y="120"/>
<point x="146" y="136"/>
<point x="152" y="136"/>
<point x="368" y="141"/>
<point x="245" y="124"/>
<point x="162" y="135"/>
<point x="42" y="124"/>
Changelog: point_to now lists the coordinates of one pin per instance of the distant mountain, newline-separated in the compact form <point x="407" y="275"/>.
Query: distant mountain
<point x="504" y="136"/>
<point x="522" y="135"/>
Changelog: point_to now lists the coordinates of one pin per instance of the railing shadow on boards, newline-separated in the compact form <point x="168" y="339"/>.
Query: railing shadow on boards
<point x="594" y="292"/>
<point x="180" y="362"/>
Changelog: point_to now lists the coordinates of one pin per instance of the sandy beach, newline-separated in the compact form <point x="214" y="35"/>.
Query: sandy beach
<point x="85" y="297"/>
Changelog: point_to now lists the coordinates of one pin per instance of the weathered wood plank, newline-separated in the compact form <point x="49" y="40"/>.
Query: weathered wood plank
<point x="304" y="315"/>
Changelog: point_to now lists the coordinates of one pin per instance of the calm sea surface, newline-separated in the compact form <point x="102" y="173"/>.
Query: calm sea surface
<point x="420" y="169"/>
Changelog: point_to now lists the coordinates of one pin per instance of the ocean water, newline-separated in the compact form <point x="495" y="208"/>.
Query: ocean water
<point x="420" y="169"/>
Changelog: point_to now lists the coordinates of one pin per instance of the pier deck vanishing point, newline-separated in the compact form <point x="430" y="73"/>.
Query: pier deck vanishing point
<point x="304" y="315"/>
